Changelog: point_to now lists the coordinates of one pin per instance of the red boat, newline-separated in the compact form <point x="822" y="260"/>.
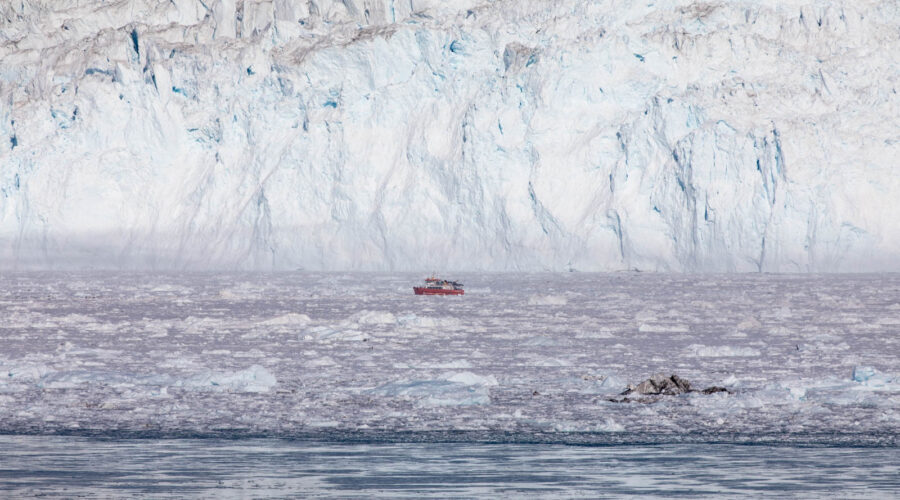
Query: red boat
<point x="436" y="286"/>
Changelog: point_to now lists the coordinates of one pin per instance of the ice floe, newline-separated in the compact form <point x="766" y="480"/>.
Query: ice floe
<point x="252" y="379"/>
<point x="722" y="351"/>
<point x="449" y="389"/>
<point x="548" y="300"/>
<point x="290" y="319"/>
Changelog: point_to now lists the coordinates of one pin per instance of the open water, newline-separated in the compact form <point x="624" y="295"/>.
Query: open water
<point x="67" y="467"/>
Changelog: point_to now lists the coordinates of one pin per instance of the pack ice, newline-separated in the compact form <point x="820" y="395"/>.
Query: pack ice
<point x="801" y="358"/>
<point x="507" y="135"/>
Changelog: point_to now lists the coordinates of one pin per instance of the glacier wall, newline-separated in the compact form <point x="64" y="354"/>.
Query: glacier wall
<point x="421" y="134"/>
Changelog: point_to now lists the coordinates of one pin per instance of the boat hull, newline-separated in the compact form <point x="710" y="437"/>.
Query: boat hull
<point x="421" y="290"/>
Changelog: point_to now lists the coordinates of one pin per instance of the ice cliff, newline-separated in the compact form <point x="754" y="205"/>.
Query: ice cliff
<point x="471" y="134"/>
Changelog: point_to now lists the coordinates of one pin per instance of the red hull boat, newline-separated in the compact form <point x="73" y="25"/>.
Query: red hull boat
<point x="435" y="286"/>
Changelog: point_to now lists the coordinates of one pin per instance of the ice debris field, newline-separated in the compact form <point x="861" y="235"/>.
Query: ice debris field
<point x="748" y="135"/>
<point x="526" y="357"/>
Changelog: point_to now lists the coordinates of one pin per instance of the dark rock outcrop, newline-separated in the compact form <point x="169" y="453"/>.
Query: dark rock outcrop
<point x="661" y="385"/>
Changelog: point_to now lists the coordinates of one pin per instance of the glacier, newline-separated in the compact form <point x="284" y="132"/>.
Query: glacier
<point x="675" y="135"/>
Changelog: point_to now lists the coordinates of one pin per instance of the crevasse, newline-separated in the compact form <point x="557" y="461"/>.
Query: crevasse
<point x="507" y="135"/>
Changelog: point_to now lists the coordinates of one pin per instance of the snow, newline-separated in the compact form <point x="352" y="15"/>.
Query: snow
<point x="313" y="354"/>
<point x="749" y="135"/>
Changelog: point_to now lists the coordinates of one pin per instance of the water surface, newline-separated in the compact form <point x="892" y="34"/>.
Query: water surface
<point x="56" y="466"/>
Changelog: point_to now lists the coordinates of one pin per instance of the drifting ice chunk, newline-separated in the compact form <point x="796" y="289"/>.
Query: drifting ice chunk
<point x="610" y="425"/>
<point x="253" y="379"/>
<point x="25" y="372"/>
<point x="469" y="378"/>
<point x="289" y="319"/>
<point x="870" y="377"/>
<point x="456" y="363"/>
<point x="451" y="389"/>
<point x="656" y="328"/>
<point x="547" y="300"/>
<point x="601" y="384"/>
<point x="722" y="351"/>
<point x="375" y="318"/>
<point x="863" y="373"/>
<point x="437" y="392"/>
<point x="425" y="322"/>
<point x="341" y="332"/>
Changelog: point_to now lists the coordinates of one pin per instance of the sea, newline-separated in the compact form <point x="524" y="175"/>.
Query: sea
<point x="347" y="385"/>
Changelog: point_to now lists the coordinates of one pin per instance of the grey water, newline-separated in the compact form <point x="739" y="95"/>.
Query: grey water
<point x="85" y="467"/>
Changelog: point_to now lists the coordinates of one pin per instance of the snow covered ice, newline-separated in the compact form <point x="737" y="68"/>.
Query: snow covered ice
<point x="808" y="358"/>
<point x="505" y="135"/>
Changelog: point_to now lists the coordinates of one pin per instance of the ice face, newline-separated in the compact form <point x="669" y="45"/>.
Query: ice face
<point x="305" y="354"/>
<point x="374" y="134"/>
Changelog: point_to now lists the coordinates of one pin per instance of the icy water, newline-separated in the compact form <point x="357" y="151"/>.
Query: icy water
<point x="258" y="468"/>
<point x="348" y="384"/>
